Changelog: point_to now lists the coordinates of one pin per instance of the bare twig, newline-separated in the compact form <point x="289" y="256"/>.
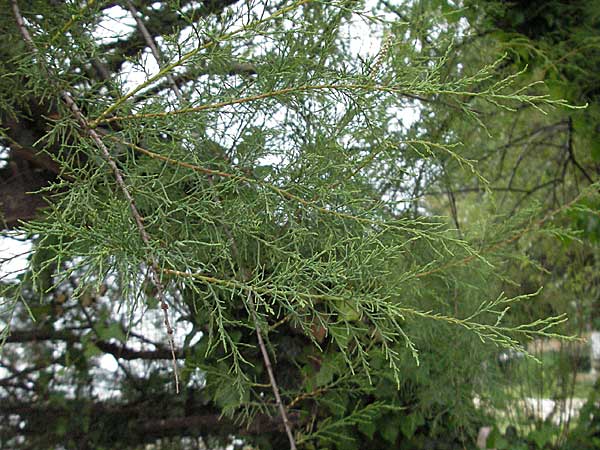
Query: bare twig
<point x="78" y="115"/>
<point x="153" y="48"/>
<point x="272" y="380"/>
<point x="572" y="154"/>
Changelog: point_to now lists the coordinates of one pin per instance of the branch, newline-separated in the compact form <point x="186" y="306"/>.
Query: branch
<point x="135" y="418"/>
<point x="162" y="22"/>
<point x="153" y="48"/>
<point x="263" y="349"/>
<point x="207" y="423"/>
<point x="118" y="351"/>
<point x="272" y="380"/>
<point x="572" y="154"/>
<point x="77" y="114"/>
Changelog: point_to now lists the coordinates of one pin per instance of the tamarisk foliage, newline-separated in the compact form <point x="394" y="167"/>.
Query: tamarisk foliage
<point x="247" y="164"/>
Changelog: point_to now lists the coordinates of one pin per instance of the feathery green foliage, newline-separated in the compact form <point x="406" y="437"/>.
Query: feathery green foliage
<point x="277" y="191"/>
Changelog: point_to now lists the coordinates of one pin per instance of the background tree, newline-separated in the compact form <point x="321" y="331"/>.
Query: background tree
<point x="540" y="161"/>
<point x="241" y="168"/>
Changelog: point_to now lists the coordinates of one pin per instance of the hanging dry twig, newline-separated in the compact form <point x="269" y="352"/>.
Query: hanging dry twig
<point x="272" y="380"/>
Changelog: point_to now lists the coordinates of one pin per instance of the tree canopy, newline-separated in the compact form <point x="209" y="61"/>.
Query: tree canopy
<point x="307" y="224"/>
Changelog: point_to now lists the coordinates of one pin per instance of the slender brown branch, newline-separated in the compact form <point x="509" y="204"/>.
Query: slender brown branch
<point x="572" y="154"/>
<point x="78" y="115"/>
<point x="267" y="360"/>
<point x="153" y="48"/>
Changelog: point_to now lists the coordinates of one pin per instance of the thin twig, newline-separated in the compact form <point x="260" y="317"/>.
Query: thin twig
<point x="153" y="48"/>
<point x="272" y="380"/>
<point x="572" y="154"/>
<point x="78" y="115"/>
